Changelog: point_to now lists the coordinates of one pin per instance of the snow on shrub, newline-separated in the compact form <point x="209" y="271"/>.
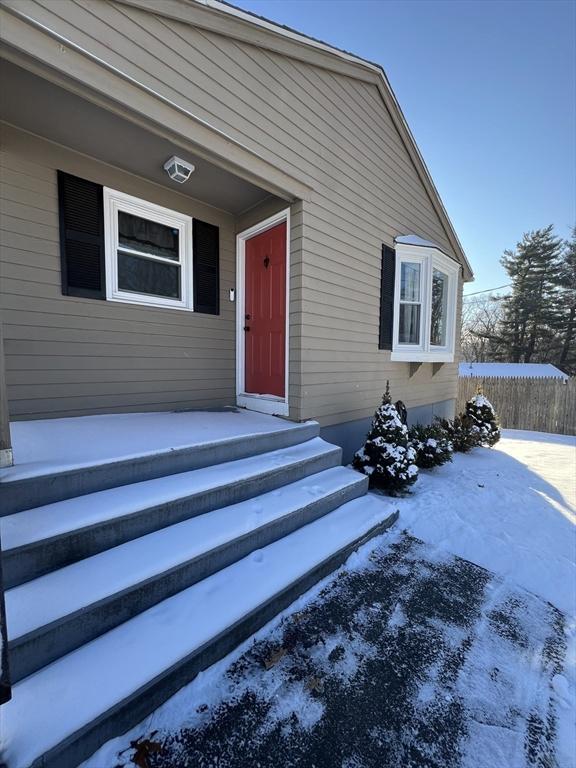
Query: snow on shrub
<point x="387" y="456"/>
<point x="483" y="420"/>
<point x="460" y="433"/>
<point x="431" y="444"/>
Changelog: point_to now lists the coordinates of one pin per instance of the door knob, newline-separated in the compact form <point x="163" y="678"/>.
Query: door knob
<point x="246" y="327"/>
<point x="247" y="317"/>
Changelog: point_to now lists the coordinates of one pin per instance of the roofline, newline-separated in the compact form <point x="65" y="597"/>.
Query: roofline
<point x="300" y="37"/>
<point x="294" y="34"/>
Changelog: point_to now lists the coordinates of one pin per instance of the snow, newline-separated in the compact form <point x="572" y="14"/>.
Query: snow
<point x="561" y="688"/>
<point x="511" y="370"/>
<point x="212" y="686"/>
<point x="56" y="445"/>
<point x="515" y="685"/>
<point x="511" y="509"/>
<point x="481" y="401"/>
<point x="32" y="525"/>
<point x="398" y="618"/>
<point x="53" y="703"/>
<point x="415" y="240"/>
<point x="58" y="594"/>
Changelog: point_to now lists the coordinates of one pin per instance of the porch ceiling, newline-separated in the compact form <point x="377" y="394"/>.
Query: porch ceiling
<point x="41" y="107"/>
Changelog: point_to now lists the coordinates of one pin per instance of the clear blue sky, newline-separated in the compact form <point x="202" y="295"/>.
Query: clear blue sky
<point x="489" y="90"/>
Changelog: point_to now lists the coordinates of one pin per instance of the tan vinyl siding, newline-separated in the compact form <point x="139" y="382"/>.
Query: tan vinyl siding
<point x="66" y="356"/>
<point x="331" y="132"/>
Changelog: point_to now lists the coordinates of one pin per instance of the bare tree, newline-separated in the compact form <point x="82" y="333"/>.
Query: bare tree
<point x="481" y="316"/>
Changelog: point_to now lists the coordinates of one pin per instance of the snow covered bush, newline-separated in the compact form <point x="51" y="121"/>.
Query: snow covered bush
<point x="483" y="419"/>
<point x="387" y="456"/>
<point x="460" y="433"/>
<point x="431" y="444"/>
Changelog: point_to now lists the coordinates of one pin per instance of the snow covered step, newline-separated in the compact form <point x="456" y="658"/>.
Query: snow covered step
<point x="67" y="458"/>
<point x="40" y="540"/>
<point x="61" y="714"/>
<point x="56" y="613"/>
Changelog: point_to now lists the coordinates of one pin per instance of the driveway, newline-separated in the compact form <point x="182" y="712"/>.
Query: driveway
<point x="411" y="659"/>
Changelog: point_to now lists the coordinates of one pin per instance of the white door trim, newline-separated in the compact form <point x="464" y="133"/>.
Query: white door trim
<point x="263" y="403"/>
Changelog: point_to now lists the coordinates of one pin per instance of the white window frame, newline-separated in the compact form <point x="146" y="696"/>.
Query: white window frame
<point x="430" y="259"/>
<point x="114" y="202"/>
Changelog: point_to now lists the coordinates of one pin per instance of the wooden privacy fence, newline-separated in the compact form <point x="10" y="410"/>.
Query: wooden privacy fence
<point x="543" y="405"/>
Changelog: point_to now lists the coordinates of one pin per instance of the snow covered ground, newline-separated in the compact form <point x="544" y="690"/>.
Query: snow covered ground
<point x="511" y="510"/>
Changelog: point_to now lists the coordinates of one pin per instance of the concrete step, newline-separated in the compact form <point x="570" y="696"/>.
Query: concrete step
<point x="108" y="465"/>
<point x="56" y="613"/>
<point x="41" y="540"/>
<point x="64" y="712"/>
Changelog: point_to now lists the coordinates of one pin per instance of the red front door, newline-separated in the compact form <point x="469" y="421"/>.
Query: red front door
<point x="265" y="312"/>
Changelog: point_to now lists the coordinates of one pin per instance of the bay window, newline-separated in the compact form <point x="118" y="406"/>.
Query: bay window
<point x="425" y="295"/>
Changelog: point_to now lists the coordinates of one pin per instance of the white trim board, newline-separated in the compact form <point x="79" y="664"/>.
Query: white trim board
<point x="276" y="406"/>
<point x="114" y="202"/>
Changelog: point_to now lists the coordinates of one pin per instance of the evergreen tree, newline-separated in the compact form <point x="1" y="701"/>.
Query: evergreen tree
<point x="566" y="307"/>
<point x="460" y="433"/>
<point x="431" y="444"/>
<point x="483" y="420"/>
<point x="387" y="456"/>
<point x="529" y="317"/>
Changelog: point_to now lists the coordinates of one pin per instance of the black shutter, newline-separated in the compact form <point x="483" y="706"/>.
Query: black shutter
<point x="387" y="297"/>
<point x="81" y="237"/>
<point x="206" y="257"/>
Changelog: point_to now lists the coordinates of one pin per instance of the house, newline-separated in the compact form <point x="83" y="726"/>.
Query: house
<point x="210" y="220"/>
<point x="512" y="370"/>
<point x="298" y="148"/>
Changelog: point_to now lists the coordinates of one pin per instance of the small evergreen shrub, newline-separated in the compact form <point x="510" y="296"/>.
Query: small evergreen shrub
<point x="387" y="456"/>
<point x="431" y="444"/>
<point x="460" y="433"/>
<point x="483" y="420"/>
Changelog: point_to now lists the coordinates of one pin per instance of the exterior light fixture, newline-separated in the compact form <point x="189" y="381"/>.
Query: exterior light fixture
<point x="178" y="170"/>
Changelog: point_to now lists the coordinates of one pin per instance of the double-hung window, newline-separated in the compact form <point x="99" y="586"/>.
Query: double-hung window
<point x="148" y="252"/>
<point x="121" y="248"/>
<point x="439" y="308"/>
<point x="425" y="297"/>
<point x="410" y="303"/>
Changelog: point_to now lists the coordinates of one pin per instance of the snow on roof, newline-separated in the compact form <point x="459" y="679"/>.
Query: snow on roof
<point x="415" y="240"/>
<point x="510" y="370"/>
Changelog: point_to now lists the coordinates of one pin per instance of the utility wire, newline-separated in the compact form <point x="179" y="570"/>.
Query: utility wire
<point x="488" y="290"/>
<point x="479" y="301"/>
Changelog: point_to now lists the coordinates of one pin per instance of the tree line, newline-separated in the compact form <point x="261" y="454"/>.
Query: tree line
<point x="536" y="321"/>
